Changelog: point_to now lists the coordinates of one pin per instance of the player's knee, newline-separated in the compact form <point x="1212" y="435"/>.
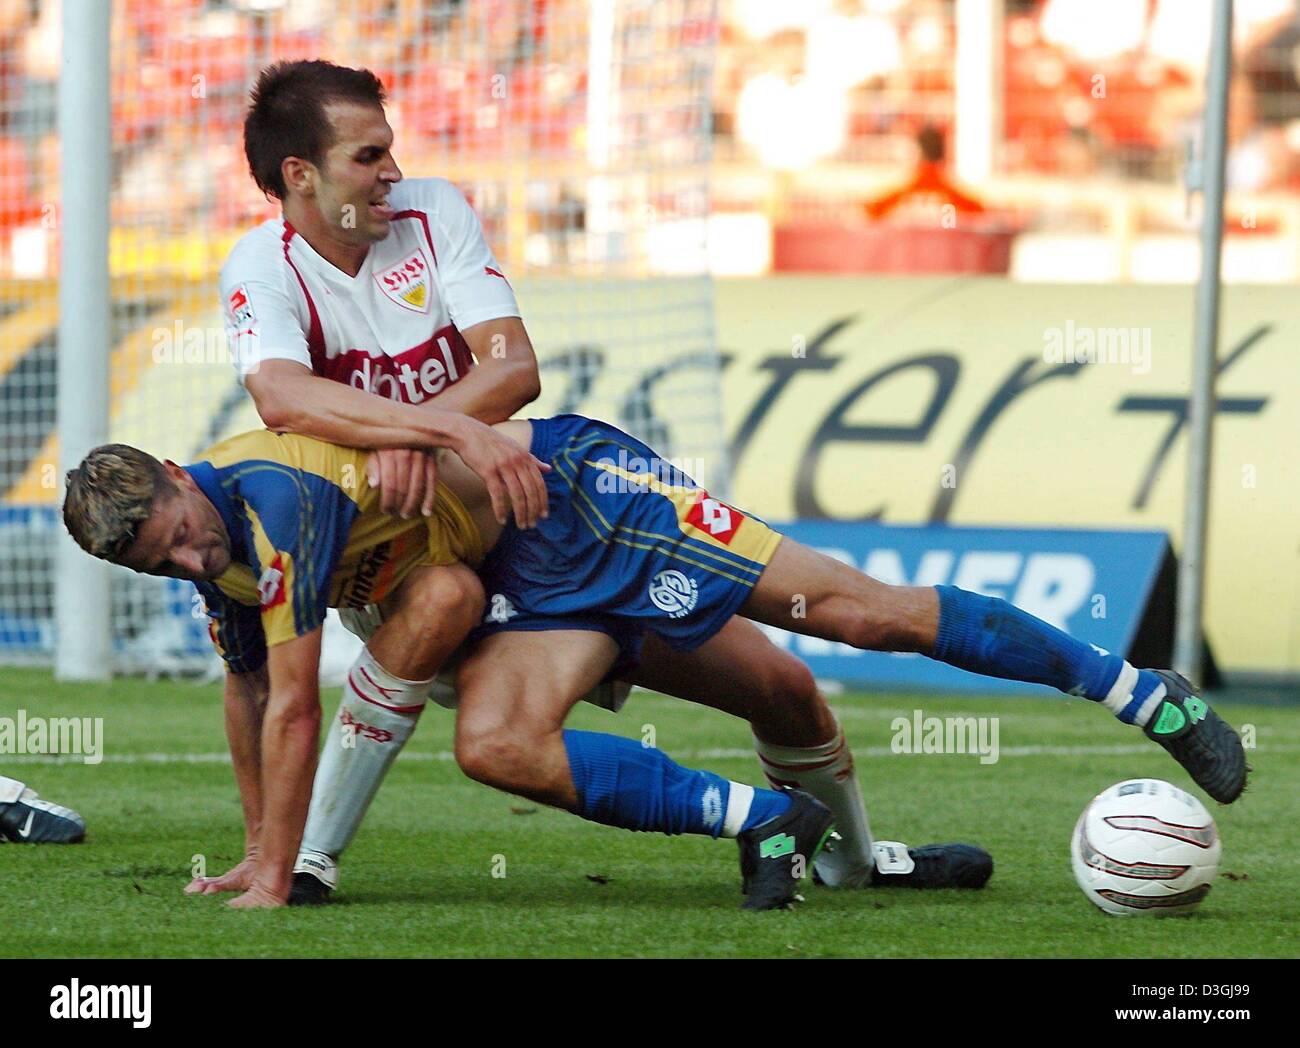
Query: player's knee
<point x="494" y="754"/>
<point x="787" y="706"/>
<point x="452" y="593"/>
<point x="778" y="684"/>
<point x="791" y="682"/>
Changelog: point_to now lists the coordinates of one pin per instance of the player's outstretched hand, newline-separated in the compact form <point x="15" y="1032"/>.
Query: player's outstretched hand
<point x="512" y="475"/>
<point x="238" y="879"/>
<point x="407" y="479"/>
<point x="259" y="897"/>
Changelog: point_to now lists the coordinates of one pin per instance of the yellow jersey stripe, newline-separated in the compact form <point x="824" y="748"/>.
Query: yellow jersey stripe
<point x="727" y="557"/>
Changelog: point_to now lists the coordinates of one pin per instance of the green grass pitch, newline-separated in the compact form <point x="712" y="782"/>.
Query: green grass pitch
<point x="419" y="881"/>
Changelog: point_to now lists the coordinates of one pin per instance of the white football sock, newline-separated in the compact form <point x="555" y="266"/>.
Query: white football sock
<point x="826" y="772"/>
<point x="376" y="717"/>
<point x="740" y="798"/>
<point x="1121" y="694"/>
<point x="10" y="790"/>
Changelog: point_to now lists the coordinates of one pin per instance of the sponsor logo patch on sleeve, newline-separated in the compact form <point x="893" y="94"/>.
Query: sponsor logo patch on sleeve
<point x="714" y="517"/>
<point x="270" y="587"/>
<point x="241" y="309"/>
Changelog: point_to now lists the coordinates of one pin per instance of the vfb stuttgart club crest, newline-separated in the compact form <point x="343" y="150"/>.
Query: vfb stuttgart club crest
<point x="407" y="283"/>
<point x="674" y="594"/>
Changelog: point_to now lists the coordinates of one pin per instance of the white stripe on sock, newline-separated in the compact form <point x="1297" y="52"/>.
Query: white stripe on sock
<point x="1148" y="708"/>
<point x="1122" y="690"/>
<point x="739" y="801"/>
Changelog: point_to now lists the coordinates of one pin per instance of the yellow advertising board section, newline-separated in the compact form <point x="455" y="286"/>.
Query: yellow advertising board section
<point x="981" y="401"/>
<point x="969" y="400"/>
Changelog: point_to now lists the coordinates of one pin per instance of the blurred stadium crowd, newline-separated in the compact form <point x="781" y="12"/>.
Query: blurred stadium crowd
<point x="817" y="108"/>
<point x="882" y="69"/>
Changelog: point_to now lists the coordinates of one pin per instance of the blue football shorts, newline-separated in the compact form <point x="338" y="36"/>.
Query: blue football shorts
<point x="631" y="544"/>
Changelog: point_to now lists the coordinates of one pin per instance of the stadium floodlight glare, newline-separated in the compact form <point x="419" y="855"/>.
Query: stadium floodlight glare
<point x="846" y="51"/>
<point x="763" y="18"/>
<point x="260" y="6"/>
<point x="791" y="125"/>
<point x="1095" y="29"/>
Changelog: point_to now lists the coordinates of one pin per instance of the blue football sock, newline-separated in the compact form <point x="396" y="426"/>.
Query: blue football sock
<point x="622" y="783"/>
<point x="993" y="637"/>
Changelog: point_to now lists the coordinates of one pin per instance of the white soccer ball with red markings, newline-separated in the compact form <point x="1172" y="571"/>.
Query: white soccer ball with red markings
<point x="1145" y="847"/>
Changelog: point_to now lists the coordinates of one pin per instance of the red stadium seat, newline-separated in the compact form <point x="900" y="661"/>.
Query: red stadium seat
<point x="18" y="206"/>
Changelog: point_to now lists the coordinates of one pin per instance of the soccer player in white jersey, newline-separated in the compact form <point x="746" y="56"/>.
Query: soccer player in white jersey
<point x="367" y="287"/>
<point x="373" y="291"/>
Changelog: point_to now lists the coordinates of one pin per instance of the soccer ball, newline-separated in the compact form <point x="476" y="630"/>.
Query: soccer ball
<point x="1145" y="846"/>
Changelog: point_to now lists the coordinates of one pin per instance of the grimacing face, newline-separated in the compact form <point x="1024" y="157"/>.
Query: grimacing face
<point x="357" y="174"/>
<point x="183" y="538"/>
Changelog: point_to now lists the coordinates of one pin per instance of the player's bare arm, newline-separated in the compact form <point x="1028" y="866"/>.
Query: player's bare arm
<point x="290" y="734"/>
<point x="503" y="381"/>
<point x="245" y="703"/>
<point x="290" y="399"/>
<point x="511" y="474"/>
<point x="505" y="377"/>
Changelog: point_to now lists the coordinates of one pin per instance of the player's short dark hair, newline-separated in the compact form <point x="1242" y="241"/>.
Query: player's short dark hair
<point x="286" y="114"/>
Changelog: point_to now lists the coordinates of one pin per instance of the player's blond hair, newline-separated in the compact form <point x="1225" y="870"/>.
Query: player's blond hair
<point x="110" y="495"/>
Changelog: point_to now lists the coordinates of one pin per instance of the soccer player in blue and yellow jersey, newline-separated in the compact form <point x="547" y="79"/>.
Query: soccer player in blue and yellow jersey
<point x="323" y="307"/>
<point x="274" y="528"/>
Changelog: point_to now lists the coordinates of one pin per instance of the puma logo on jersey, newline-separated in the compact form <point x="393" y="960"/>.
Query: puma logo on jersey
<point x="270" y="587"/>
<point x="407" y="283"/>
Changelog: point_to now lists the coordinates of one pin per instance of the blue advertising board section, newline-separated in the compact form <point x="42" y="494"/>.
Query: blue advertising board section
<point x="1093" y="584"/>
<point x="158" y="622"/>
<point x="27" y="536"/>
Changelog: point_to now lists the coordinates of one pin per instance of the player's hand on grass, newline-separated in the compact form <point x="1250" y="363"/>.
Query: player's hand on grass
<point x="260" y="897"/>
<point x="407" y="479"/>
<point x="238" y="879"/>
<point x="512" y="475"/>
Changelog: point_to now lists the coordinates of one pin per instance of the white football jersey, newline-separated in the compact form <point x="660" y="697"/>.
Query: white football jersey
<point x="393" y="329"/>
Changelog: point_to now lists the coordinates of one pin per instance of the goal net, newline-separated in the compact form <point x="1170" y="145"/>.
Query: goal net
<point x="579" y="130"/>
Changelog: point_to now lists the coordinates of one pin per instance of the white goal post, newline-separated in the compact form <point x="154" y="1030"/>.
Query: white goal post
<point x="579" y="129"/>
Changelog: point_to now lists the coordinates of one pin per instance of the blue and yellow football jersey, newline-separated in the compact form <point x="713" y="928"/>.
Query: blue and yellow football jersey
<point x="306" y="534"/>
<point x="631" y="545"/>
